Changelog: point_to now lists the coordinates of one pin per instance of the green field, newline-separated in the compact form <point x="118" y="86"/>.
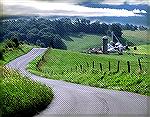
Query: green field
<point x="73" y="66"/>
<point x="141" y="49"/>
<point x="137" y="37"/>
<point x="84" y="42"/>
<point x="61" y="65"/>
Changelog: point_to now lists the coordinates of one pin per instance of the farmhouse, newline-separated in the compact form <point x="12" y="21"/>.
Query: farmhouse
<point x="111" y="47"/>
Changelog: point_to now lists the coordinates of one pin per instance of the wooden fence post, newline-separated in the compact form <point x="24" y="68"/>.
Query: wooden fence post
<point x="87" y="64"/>
<point x="100" y="65"/>
<point x="118" y="66"/>
<point x="81" y="67"/>
<point x="128" y="63"/>
<point x="109" y="65"/>
<point x="76" y="68"/>
<point x="140" y="66"/>
<point x="93" y="64"/>
<point x="52" y="72"/>
<point x="71" y="69"/>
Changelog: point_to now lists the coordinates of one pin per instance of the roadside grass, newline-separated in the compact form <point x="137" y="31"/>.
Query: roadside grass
<point x="65" y="65"/>
<point x="14" y="53"/>
<point x="84" y="42"/>
<point x="21" y="97"/>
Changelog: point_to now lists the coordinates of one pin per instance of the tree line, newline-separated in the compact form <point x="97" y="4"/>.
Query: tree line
<point x="49" y="33"/>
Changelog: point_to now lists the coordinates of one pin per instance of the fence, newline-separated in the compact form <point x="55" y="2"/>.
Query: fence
<point x="81" y="67"/>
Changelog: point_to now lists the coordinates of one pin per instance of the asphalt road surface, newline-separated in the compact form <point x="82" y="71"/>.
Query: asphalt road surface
<point x="77" y="100"/>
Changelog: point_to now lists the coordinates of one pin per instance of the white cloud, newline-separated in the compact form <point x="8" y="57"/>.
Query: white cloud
<point x="30" y="7"/>
<point x="139" y="11"/>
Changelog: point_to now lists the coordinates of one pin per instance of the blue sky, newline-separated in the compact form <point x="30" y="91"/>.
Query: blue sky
<point x="68" y="8"/>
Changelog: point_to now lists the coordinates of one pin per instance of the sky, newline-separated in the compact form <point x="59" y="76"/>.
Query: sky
<point x="67" y="8"/>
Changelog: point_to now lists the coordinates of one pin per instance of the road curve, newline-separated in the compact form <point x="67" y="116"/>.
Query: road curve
<point x="78" y="100"/>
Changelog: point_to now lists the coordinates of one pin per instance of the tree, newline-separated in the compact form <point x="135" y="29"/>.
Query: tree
<point x="59" y="27"/>
<point x="58" y="43"/>
<point x="42" y="26"/>
<point x="15" y="40"/>
<point x="47" y="40"/>
<point x="34" y="31"/>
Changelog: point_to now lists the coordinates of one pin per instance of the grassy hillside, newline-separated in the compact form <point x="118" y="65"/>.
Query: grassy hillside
<point x="141" y="49"/>
<point x="66" y="65"/>
<point x="14" y="53"/>
<point x="21" y="97"/>
<point x="82" y="43"/>
<point x="137" y="37"/>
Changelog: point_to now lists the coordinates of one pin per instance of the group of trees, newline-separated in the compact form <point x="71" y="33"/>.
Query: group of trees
<point x="7" y="45"/>
<point x="49" y="33"/>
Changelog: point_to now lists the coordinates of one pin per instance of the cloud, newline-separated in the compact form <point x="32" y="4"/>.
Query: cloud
<point x="126" y="1"/>
<point x="29" y="7"/>
<point x="137" y="11"/>
<point x="103" y="1"/>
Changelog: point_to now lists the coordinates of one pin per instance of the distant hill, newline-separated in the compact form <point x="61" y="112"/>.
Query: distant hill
<point x="121" y="6"/>
<point x="135" y="20"/>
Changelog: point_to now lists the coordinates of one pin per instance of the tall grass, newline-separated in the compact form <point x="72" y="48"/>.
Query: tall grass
<point x="21" y="97"/>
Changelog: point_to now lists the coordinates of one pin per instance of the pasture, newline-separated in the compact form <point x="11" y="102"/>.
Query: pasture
<point x="82" y="43"/>
<point x="78" y="68"/>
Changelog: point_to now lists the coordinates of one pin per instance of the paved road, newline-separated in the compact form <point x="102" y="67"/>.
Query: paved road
<point x="78" y="100"/>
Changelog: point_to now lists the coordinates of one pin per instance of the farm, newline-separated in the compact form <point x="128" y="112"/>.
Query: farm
<point x="127" y="72"/>
<point x="96" y="70"/>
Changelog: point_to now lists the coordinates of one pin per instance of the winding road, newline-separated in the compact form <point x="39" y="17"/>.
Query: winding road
<point x="78" y="100"/>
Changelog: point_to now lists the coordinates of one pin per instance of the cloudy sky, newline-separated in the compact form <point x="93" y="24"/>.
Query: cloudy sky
<point x="66" y="7"/>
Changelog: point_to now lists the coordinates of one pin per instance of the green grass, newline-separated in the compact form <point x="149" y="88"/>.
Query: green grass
<point x="20" y="96"/>
<point x="12" y="54"/>
<point x="137" y="37"/>
<point x="61" y="65"/>
<point x="83" y="43"/>
<point x="141" y="49"/>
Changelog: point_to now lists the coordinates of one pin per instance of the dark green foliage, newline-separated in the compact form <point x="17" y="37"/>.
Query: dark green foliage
<point x="15" y="40"/>
<point x="58" y="43"/>
<point x="33" y="29"/>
